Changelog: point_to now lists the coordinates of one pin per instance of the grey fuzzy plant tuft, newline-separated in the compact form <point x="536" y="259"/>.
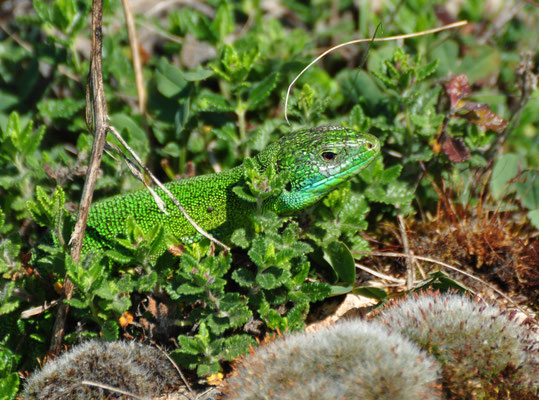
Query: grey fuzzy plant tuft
<point x="349" y="360"/>
<point x="134" y="367"/>
<point x="483" y="351"/>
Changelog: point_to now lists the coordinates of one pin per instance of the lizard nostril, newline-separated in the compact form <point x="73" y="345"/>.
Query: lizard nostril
<point x="369" y="146"/>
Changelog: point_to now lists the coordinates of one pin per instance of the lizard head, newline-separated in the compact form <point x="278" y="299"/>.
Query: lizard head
<point x="319" y="159"/>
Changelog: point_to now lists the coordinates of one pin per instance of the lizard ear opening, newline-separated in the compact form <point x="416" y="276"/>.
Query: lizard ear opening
<point x="288" y="186"/>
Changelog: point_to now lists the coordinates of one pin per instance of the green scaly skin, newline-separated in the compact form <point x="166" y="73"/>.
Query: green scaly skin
<point x="318" y="159"/>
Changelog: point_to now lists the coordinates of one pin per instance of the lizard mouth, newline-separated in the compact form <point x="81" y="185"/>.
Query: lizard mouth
<point x="322" y="185"/>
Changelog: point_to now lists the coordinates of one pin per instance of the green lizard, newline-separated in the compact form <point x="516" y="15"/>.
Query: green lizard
<point x="318" y="160"/>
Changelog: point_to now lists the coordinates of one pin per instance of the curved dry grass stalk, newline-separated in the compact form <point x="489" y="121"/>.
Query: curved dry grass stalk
<point x="383" y="39"/>
<point x="112" y="389"/>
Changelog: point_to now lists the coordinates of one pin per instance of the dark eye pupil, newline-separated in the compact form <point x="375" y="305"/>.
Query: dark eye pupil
<point x="328" y="155"/>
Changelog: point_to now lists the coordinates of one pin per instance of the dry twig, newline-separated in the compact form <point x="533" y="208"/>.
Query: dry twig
<point x="96" y="105"/>
<point x="185" y="381"/>
<point x="410" y="260"/>
<point x="135" y="54"/>
<point x="112" y="389"/>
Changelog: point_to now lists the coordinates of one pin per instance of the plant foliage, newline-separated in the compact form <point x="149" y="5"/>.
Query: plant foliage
<point x="444" y="106"/>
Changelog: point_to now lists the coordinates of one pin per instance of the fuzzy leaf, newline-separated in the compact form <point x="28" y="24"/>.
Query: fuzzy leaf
<point x="60" y="108"/>
<point x="237" y="345"/>
<point x="316" y="291"/>
<point x="77" y="303"/>
<point x="223" y="22"/>
<point x="262" y="90"/>
<point x="110" y="330"/>
<point x="9" y="386"/>
<point x="244" y="277"/>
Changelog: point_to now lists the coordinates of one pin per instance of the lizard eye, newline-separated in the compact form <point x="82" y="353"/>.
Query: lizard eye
<point x="329" y="155"/>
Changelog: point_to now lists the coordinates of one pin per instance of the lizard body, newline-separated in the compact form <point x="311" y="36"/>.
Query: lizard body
<point x="318" y="160"/>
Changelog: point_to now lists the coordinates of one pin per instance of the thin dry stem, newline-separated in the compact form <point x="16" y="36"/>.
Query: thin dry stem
<point x="135" y="54"/>
<point x="185" y="381"/>
<point x="96" y="116"/>
<point x="379" y="274"/>
<point x="443" y="264"/>
<point x="506" y="14"/>
<point x="112" y="389"/>
<point x="167" y="192"/>
<point x="384" y="39"/>
<point x="31" y="312"/>
<point x="410" y="260"/>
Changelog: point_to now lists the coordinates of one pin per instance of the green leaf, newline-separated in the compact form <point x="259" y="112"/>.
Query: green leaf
<point x="181" y="117"/>
<point x="8" y="302"/>
<point x="169" y="78"/>
<point x="209" y="101"/>
<point x="505" y="169"/>
<point x="371" y="292"/>
<point x="481" y="62"/>
<point x="316" y="291"/>
<point x="237" y="345"/>
<point x="359" y="84"/>
<point x="267" y="281"/>
<point x="237" y="62"/>
<point x="341" y="260"/>
<point x="534" y="217"/>
<point x="527" y="188"/>
<point x="136" y="137"/>
<point x="77" y="303"/>
<point x="427" y="70"/>
<point x="239" y="238"/>
<point x="60" y="108"/>
<point x="390" y="174"/>
<point x="223" y="22"/>
<point x="9" y="386"/>
<point x="47" y="211"/>
<point x="440" y="281"/>
<point x="396" y="193"/>
<point x="357" y="118"/>
<point x="447" y="53"/>
<point x="337" y="290"/>
<point x="241" y="192"/>
<point x="262" y="90"/>
<point x="244" y="277"/>
<point x="196" y="142"/>
<point x="110" y="330"/>
<point x="208" y="369"/>
<point x="197" y="75"/>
